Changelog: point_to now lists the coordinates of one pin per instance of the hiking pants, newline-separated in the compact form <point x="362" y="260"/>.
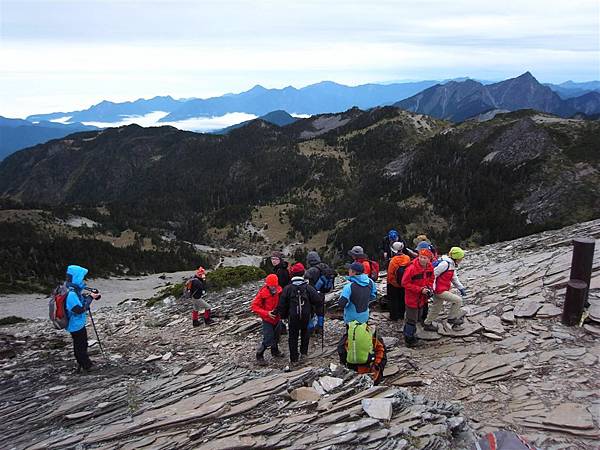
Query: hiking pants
<point x="199" y="304"/>
<point x="271" y="334"/>
<point x="298" y="327"/>
<point x="438" y="303"/>
<point x="396" y="305"/>
<point x="80" y="348"/>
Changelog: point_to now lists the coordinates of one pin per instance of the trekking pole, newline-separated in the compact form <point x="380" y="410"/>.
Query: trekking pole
<point x="323" y="334"/>
<point x="97" y="335"/>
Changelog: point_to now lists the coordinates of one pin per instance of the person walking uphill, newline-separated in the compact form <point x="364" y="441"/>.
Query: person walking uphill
<point x="445" y="277"/>
<point x="196" y="288"/>
<point x="395" y="291"/>
<point x="265" y="305"/>
<point x="76" y="308"/>
<point x="298" y="301"/>
<point x="418" y="285"/>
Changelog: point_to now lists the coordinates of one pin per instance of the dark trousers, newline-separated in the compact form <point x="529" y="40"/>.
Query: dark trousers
<point x="396" y="305"/>
<point x="298" y="327"/>
<point x="80" y="348"/>
<point x="271" y="334"/>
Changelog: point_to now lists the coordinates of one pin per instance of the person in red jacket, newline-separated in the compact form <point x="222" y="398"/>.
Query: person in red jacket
<point x="264" y="305"/>
<point x="418" y="286"/>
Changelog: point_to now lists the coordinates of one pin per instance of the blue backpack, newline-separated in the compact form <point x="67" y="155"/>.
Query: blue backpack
<point x="326" y="280"/>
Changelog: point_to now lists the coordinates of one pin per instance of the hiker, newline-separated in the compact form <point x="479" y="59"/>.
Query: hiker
<point x="421" y="241"/>
<point x="280" y="268"/>
<point x="371" y="268"/>
<point x="76" y="307"/>
<point x="418" y="286"/>
<point x="395" y="290"/>
<point x="445" y="277"/>
<point x="362" y="351"/>
<point x="297" y="302"/>
<point x="322" y="278"/>
<point x="357" y="294"/>
<point x="265" y="305"/>
<point x="387" y="243"/>
<point x="196" y="288"/>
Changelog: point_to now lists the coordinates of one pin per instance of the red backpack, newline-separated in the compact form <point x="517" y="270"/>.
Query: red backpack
<point x="57" y="307"/>
<point x="374" y="275"/>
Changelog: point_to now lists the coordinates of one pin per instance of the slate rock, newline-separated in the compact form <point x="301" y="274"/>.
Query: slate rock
<point x="153" y="358"/>
<point x="78" y="415"/>
<point x="409" y="381"/>
<point x="378" y="408"/>
<point x="304" y="393"/>
<point x="492" y="324"/>
<point x="527" y="308"/>
<point x="330" y="383"/>
<point x="570" y="415"/>
<point x="208" y="368"/>
<point x="509" y="317"/>
<point x="548" y="310"/>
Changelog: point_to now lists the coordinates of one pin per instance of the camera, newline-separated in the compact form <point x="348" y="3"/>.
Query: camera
<point x="428" y="293"/>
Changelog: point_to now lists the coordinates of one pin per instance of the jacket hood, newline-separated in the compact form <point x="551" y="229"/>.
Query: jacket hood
<point x="313" y="258"/>
<point x="419" y="267"/>
<point x="362" y="279"/>
<point x="76" y="274"/>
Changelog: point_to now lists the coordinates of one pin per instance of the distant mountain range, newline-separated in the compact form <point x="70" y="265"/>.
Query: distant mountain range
<point x="279" y="118"/>
<point x="460" y="100"/>
<point x="16" y="134"/>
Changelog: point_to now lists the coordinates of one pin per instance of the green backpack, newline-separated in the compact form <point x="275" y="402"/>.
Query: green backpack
<point x="360" y="343"/>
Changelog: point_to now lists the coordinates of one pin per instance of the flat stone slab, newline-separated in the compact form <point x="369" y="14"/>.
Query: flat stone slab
<point x="153" y="358"/>
<point x="527" y="308"/>
<point x="305" y="394"/>
<point x="409" y="381"/>
<point x="493" y="336"/>
<point x="378" y="408"/>
<point x="509" y="317"/>
<point x="570" y="415"/>
<point x="549" y="311"/>
<point x="468" y="328"/>
<point x="330" y="383"/>
<point x="492" y="324"/>
<point x="390" y="370"/>
<point x="79" y="415"/>
<point x="428" y="335"/>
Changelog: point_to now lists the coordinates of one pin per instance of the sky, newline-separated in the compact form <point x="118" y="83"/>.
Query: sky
<point x="67" y="55"/>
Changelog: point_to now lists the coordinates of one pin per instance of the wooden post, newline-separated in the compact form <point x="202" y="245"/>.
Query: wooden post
<point x="574" y="301"/>
<point x="581" y="264"/>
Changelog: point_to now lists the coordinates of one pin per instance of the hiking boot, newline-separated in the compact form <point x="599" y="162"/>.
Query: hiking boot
<point x="208" y="321"/>
<point x="261" y="361"/>
<point x="277" y="353"/>
<point x="430" y="327"/>
<point x="195" y="323"/>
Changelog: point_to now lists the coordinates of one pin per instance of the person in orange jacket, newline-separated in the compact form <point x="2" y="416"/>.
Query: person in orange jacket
<point x="395" y="291"/>
<point x="264" y="305"/>
<point x="375" y="366"/>
<point x="417" y="281"/>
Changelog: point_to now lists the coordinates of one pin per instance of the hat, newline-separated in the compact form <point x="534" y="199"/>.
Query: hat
<point x="393" y="234"/>
<point x="357" y="252"/>
<point x="277" y="254"/>
<point x="420" y="238"/>
<point x="272" y="280"/>
<point x="397" y="247"/>
<point x="201" y="271"/>
<point x="313" y="258"/>
<point x="297" y="269"/>
<point x="426" y="252"/>
<point x="357" y="267"/>
<point x="456" y="253"/>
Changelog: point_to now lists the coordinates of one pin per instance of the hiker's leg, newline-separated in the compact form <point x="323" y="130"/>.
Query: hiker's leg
<point x="455" y="304"/>
<point x="276" y="335"/>
<point x="304" y="338"/>
<point x="392" y="296"/>
<point x="401" y="303"/>
<point x="436" y="308"/>
<point x="410" y="326"/>
<point x="268" y="334"/>
<point x="195" y="308"/>
<point x="80" y="346"/>
<point x="293" y="332"/>
<point x="341" y="348"/>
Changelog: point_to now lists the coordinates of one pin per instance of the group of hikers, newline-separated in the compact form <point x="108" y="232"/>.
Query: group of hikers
<point x="416" y="278"/>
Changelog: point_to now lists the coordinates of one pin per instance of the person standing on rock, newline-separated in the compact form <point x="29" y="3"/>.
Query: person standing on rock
<point x="280" y="268"/>
<point x="265" y="306"/>
<point x="418" y="286"/>
<point x="395" y="291"/>
<point x="445" y="277"/>
<point x="358" y="255"/>
<point x="357" y="294"/>
<point x="375" y="363"/>
<point x="322" y="278"/>
<point x="76" y="306"/>
<point x="392" y="237"/>
<point x="196" y="287"/>
<point x="296" y="304"/>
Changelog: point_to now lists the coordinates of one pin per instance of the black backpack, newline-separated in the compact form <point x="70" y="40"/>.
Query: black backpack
<point x="301" y="303"/>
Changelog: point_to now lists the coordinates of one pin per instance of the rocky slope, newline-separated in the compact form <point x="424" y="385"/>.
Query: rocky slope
<point x="166" y="385"/>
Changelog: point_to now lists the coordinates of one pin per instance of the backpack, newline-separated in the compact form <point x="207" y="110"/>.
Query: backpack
<point x="400" y="274"/>
<point x="57" y="306"/>
<point x="360" y="343"/>
<point x="374" y="275"/>
<point x="327" y="278"/>
<point x="302" y="311"/>
<point x="187" y="288"/>
<point x="502" y="440"/>
<point x="437" y="263"/>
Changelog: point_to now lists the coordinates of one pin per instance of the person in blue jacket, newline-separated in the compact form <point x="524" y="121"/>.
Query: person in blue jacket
<point x="76" y="306"/>
<point x="357" y="294"/>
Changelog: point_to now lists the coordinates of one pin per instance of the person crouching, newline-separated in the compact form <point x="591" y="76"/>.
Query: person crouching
<point x="264" y="305"/>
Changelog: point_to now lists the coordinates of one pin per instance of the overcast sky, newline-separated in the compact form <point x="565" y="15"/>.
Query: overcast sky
<point x="67" y="55"/>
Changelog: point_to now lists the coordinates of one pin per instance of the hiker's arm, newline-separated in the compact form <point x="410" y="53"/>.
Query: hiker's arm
<point x="410" y="252"/>
<point x="74" y="305"/>
<point x="408" y="284"/>
<point x="379" y="350"/>
<point x="456" y="282"/>
<point x="256" y="307"/>
<point x="345" y="295"/>
<point x="282" y="309"/>
<point x="441" y="268"/>
<point x="373" y="289"/>
<point x="317" y="301"/>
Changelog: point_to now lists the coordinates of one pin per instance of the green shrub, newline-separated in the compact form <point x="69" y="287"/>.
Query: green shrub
<point x="10" y="320"/>
<point x="225" y="277"/>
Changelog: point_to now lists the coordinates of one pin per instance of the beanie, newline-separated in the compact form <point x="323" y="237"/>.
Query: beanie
<point x="272" y="280"/>
<point x="456" y="253"/>
<point x="426" y="252"/>
<point x="297" y="269"/>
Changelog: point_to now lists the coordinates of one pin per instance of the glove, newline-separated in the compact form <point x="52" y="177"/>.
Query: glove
<point x="463" y="292"/>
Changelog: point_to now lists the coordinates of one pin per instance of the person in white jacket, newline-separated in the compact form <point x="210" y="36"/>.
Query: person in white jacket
<point x="446" y="277"/>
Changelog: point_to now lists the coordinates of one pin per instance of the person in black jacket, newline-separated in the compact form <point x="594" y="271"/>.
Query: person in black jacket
<point x="280" y="268"/>
<point x="298" y="301"/>
<point x="196" y="287"/>
<point x="386" y="246"/>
